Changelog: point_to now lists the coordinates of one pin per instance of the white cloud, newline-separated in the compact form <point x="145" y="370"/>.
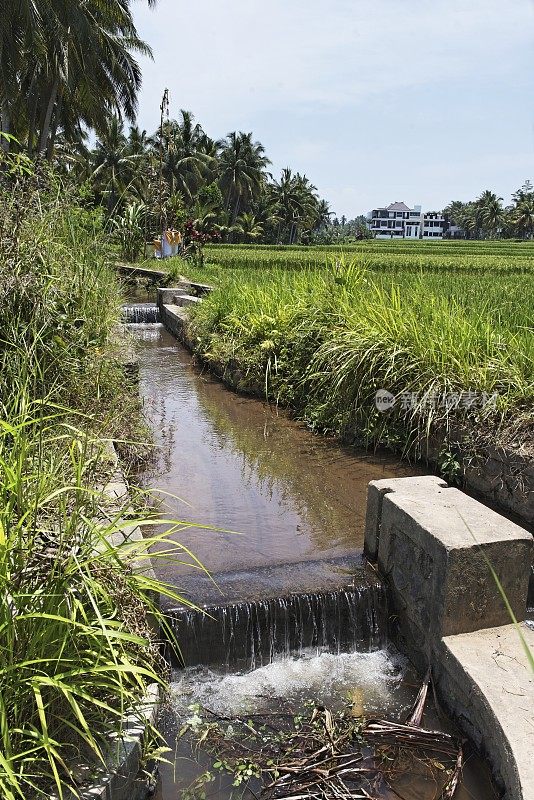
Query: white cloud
<point x="307" y="53"/>
<point x="318" y="82"/>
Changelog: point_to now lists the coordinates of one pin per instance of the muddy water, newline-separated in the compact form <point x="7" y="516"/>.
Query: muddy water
<point x="293" y="502"/>
<point x="237" y="464"/>
<point x="376" y="683"/>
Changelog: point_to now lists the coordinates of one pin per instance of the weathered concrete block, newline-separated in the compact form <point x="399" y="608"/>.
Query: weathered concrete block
<point x="165" y="295"/>
<point x="435" y="549"/>
<point x="185" y="300"/>
<point x="487" y="683"/>
<point x="174" y="318"/>
<point x="434" y="546"/>
<point x="375" y="495"/>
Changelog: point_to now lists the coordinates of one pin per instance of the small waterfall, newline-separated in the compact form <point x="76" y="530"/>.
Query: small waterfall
<point x="249" y="634"/>
<point x="140" y="313"/>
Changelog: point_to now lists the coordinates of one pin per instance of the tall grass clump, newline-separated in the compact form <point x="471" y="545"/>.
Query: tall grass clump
<point x="58" y="299"/>
<point x="76" y="644"/>
<point x="325" y="340"/>
<point x="77" y="652"/>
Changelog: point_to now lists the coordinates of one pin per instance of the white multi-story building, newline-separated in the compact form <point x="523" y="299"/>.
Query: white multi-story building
<point x="397" y="221"/>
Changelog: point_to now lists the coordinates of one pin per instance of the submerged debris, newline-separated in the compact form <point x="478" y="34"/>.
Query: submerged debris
<point x="326" y="755"/>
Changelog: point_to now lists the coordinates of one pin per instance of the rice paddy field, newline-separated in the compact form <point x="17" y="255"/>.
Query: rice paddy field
<point x="445" y="327"/>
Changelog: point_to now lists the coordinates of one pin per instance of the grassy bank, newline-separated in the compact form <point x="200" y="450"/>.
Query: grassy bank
<point x="324" y="339"/>
<point x="75" y="643"/>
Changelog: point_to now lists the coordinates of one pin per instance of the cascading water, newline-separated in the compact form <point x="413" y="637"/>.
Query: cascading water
<point x="139" y="313"/>
<point x="286" y="512"/>
<point x="250" y="634"/>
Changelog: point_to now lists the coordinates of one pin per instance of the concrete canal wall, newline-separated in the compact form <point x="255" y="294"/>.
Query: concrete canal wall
<point x="434" y="546"/>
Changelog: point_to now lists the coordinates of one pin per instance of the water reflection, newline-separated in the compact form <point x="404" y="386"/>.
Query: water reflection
<point x="242" y="466"/>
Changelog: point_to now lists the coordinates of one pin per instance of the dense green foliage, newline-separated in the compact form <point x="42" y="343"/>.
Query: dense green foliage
<point x="486" y="217"/>
<point x="59" y="299"/>
<point x="75" y="644"/>
<point x="222" y="191"/>
<point x="180" y="174"/>
<point x="323" y="332"/>
<point x="65" y="67"/>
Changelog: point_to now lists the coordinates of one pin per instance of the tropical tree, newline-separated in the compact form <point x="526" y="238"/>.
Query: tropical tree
<point x="467" y="219"/>
<point x="489" y="213"/>
<point x="523" y="216"/>
<point x="115" y="167"/>
<point x="242" y="165"/>
<point x="185" y="163"/>
<point x="64" y="65"/>
<point x="248" y="227"/>
<point x="323" y="214"/>
<point x="455" y="212"/>
<point x="297" y="205"/>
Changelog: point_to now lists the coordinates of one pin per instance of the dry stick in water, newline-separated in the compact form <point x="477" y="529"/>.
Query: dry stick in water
<point x="412" y="734"/>
<point x="416" y="715"/>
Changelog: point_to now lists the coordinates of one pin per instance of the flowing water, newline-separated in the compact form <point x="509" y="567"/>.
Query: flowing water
<point x="294" y="615"/>
<point x="243" y="636"/>
<point x="277" y="493"/>
<point x="138" y="313"/>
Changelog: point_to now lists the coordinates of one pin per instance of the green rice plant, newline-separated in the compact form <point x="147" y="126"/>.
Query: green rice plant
<point x="325" y="340"/>
<point x="508" y="258"/>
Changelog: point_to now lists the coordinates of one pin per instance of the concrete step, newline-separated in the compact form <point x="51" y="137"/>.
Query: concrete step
<point x="185" y="300"/>
<point x="488" y="682"/>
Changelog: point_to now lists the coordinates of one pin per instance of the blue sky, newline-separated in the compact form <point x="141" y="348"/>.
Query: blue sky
<point x="424" y="101"/>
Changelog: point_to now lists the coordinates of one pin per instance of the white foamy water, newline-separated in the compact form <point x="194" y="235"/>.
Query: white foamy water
<point x="370" y="680"/>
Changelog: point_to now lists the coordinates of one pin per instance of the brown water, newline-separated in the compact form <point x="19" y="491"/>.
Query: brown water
<point x="295" y="504"/>
<point x="231" y="462"/>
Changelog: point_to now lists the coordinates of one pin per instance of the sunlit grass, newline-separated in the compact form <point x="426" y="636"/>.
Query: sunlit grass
<point x="325" y="340"/>
<point x="77" y="651"/>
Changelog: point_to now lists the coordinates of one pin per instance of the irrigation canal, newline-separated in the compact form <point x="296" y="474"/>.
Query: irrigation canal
<point x="295" y="615"/>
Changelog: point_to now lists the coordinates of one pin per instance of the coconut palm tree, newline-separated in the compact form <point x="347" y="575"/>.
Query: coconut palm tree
<point x="248" y="227"/>
<point x="455" y="211"/>
<point x="322" y="215"/>
<point x="490" y="213"/>
<point x="242" y="165"/>
<point x="114" y="166"/>
<point x="66" y="64"/>
<point x="297" y="204"/>
<point x="523" y="216"/>
<point x="186" y="164"/>
<point x="468" y="220"/>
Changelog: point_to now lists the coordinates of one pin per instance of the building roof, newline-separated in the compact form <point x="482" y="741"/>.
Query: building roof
<point x="398" y="207"/>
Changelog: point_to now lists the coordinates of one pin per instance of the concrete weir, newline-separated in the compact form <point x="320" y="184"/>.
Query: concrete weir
<point x="434" y="546"/>
<point x="440" y="553"/>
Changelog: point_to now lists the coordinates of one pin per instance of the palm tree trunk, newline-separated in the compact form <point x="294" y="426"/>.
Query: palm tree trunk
<point x="5" y="126"/>
<point x="53" y="132"/>
<point x="45" y="129"/>
<point x="33" y="101"/>
<point x="236" y="208"/>
<point x="31" y="125"/>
